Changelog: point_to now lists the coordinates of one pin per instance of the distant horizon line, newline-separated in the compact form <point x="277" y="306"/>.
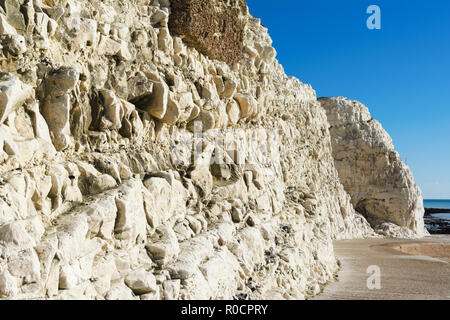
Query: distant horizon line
<point x="429" y="199"/>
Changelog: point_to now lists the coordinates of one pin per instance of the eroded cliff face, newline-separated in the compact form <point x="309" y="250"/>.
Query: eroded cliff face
<point x="381" y="186"/>
<point x="214" y="28"/>
<point x="134" y="166"/>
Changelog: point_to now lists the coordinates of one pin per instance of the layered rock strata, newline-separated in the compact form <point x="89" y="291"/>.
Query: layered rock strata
<point x="134" y="166"/>
<point x="381" y="186"/>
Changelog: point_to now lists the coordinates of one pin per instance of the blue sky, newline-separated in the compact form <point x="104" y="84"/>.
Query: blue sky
<point x="401" y="72"/>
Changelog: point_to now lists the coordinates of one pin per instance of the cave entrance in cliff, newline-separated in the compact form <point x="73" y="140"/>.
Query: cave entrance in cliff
<point x="361" y="208"/>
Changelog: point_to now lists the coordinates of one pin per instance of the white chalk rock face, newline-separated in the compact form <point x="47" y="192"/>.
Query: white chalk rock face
<point x="381" y="186"/>
<point x="247" y="103"/>
<point x="57" y="105"/>
<point x="13" y="94"/>
<point x="141" y="163"/>
<point x="141" y="282"/>
<point x="155" y="102"/>
<point x="131" y="220"/>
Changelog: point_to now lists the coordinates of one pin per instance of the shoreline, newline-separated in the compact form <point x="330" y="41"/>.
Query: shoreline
<point x="409" y="269"/>
<point x="436" y="210"/>
<point x="436" y="224"/>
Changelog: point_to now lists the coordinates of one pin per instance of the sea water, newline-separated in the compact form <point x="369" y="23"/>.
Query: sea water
<point x="438" y="204"/>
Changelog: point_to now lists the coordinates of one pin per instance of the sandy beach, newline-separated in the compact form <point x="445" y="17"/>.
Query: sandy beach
<point x="409" y="269"/>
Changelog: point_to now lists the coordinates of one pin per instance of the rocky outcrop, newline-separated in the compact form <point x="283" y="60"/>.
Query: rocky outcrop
<point x="214" y="28"/>
<point x="381" y="186"/>
<point x="134" y="165"/>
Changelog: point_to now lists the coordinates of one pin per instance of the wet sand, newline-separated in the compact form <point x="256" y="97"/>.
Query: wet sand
<point x="434" y="250"/>
<point x="410" y="269"/>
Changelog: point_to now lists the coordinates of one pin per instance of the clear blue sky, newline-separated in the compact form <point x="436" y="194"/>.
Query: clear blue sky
<point x="401" y="72"/>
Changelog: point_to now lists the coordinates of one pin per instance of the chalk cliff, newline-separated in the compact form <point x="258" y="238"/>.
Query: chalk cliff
<point x="157" y="150"/>
<point x="381" y="186"/>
